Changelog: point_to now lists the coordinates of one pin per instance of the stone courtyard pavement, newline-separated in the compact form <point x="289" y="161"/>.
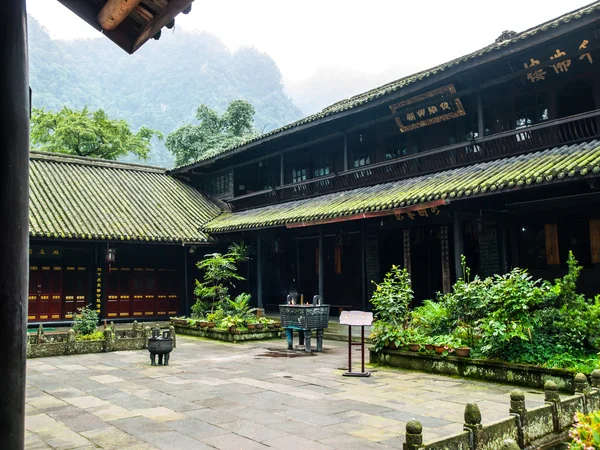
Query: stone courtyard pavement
<point x="241" y="396"/>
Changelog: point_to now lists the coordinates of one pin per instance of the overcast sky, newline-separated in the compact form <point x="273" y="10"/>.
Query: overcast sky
<point x="360" y="36"/>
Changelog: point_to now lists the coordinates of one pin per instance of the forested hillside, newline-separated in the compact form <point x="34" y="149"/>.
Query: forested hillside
<point x="161" y="86"/>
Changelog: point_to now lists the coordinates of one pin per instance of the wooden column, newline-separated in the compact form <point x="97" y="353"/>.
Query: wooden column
<point x="363" y="266"/>
<point x="321" y="265"/>
<point x="281" y="171"/>
<point x="595" y="240"/>
<point x="345" y="152"/>
<point x="259" y="272"/>
<point x="446" y="283"/>
<point x="14" y="202"/>
<point x="480" y="123"/>
<point x="406" y="242"/>
<point x="552" y="253"/>
<point x="298" y="265"/>
<point x="459" y="248"/>
<point x="503" y="245"/>
<point x="514" y="248"/>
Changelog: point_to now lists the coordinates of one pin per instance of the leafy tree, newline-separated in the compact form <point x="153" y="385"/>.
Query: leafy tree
<point x="213" y="133"/>
<point x="83" y="133"/>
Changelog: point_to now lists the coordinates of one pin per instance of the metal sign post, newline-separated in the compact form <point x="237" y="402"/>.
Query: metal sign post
<point x="361" y="319"/>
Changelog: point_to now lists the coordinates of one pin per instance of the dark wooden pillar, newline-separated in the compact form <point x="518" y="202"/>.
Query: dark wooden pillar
<point x="281" y="171"/>
<point x="259" y="272"/>
<point x="446" y="283"/>
<point x="321" y="265"/>
<point x="345" y="152"/>
<point x="514" y="249"/>
<point x="363" y="267"/>
<point x="459" y="248"/>
<point x="14" y="200"/>
<point x="480" y="122"/>
<point x="406" y="242"/>
<point x="503" y="246"/>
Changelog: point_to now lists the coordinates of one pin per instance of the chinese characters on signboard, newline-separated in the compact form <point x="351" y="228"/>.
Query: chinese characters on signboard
<point x="438" y="109"/>
<point x="434" y="211"/>
<point x="45" y="252"/>
<point x="562" y="63"/>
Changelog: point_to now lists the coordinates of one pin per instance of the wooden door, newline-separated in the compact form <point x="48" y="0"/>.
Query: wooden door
<point x="75" y="290"/>
<point x="45" y="293"/>
<point x="173" y="291"/>
<point x="139" y="290"/>
<point x="150" y="302"/>
<point x="125" y="300"/>
<point x="112" y="293"/>
<point x="35" y="286"/>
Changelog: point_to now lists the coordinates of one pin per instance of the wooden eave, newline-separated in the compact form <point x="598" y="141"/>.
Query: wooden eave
<point x="142" y="24"/>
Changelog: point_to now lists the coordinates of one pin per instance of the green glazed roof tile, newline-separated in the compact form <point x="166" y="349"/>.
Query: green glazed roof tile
<point x="84" y="198"/>
<point x="484" y="178"/>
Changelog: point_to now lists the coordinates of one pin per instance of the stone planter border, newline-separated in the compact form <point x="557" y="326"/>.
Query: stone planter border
<point x="480" y="369"/>
<point x="226" y="335"/>
<point x="65" y="343"/>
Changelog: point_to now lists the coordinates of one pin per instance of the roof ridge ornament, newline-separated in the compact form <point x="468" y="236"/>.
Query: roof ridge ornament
<point x="505" y="36"/>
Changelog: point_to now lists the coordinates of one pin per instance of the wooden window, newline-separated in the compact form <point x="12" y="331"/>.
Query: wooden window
<point x="362" y="160"/>
<point x="321" y="167"/>
<point x="396" y="146"/>
<point x="531" y="109"/>
<point x="298" y="175"/>
<point x="220" y="185"/>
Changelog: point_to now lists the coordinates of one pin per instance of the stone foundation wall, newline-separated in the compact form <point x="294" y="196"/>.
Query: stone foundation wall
<point x="540" y="428"/>
<point x="226" y="335"/>
<point x="58" y="344"/>
<point x="481" y="369"/>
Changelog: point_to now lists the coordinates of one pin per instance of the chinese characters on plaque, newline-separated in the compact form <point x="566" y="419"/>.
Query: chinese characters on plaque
<point x="425" y="212"/>
<point x="562" y="62"/>
<point x="45" y="252"/>
<point x="437" y="108"/>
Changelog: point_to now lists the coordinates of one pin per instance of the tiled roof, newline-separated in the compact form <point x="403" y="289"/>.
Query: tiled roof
<point x="83" y="198"/>
<point x="386" y="89"/>
<point x="500" y="175"/>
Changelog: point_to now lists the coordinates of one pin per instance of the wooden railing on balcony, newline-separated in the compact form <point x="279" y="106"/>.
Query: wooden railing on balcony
<point x="549" y="134"/>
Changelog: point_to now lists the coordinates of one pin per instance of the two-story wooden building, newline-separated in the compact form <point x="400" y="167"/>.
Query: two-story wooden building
<point x="494" y="155"/>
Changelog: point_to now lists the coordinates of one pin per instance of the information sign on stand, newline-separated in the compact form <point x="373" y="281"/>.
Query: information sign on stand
<point x="360" y="319"/>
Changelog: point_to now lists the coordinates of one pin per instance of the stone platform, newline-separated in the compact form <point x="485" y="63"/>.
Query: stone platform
<point x="242" y="396"/>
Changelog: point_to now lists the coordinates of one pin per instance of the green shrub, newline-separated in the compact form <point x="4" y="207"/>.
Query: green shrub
<point x="392" y="297"/>
<point x="585" y="433"/>
<point x="85" y="321"/>
<point x="95" y="336"/>
<point x="201" y="309"/>
<point x="432" y="318"/>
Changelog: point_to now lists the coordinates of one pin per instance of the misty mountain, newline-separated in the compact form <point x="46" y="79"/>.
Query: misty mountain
<point x="161" y="85"/>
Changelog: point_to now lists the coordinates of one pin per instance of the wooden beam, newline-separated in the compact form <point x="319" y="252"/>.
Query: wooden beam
<point x="163" y="17"/>
<point x="114" y="12"/>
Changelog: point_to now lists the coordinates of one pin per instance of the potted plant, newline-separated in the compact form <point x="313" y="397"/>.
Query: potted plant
<point x="442" y="344"/>
<point x="459" y="341"/>
<point x="251" y="323"/>
<point x="212" y="319"/>
<point x="203" y="323"/>
<point x="413" y="337"/>
<point x="429" y="346"/>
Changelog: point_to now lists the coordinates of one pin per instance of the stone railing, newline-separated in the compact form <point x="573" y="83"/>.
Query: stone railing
<point x="541" y="427"/>
<point x="57" y="344"/>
